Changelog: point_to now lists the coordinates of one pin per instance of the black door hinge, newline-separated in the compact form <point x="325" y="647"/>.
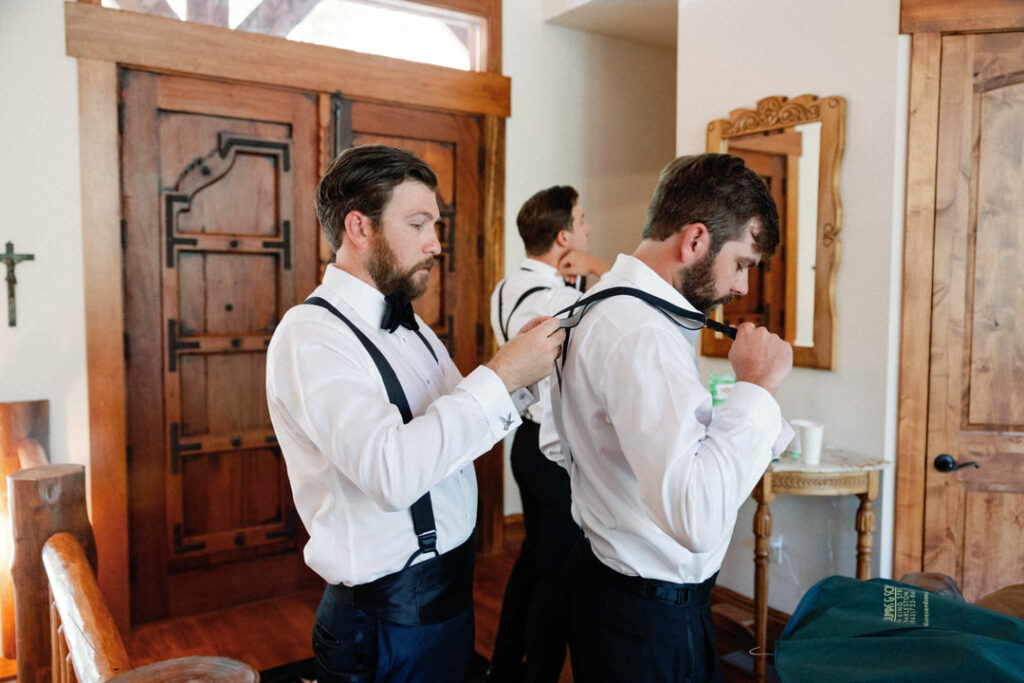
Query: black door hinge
<point x="177" y="448"/>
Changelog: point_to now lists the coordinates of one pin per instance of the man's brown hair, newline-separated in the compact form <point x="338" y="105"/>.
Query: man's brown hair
<point x="719" y="191"/>
<point x="362" y="179"/>
<point x="543" y="216"/>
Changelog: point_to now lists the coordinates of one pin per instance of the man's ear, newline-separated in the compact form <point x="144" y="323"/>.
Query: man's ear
<point x="694" y="243"/>
<point x="358" y="228"/>
<point x="562" y="238"/>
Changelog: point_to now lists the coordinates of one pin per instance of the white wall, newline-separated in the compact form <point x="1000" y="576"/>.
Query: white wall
<point x="732" y="53"/>
<point x="590" y="111"/>
<point x="43" y="357"/>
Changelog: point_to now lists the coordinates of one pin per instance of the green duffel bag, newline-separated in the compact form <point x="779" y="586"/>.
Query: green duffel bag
<point x="845" y="630"/>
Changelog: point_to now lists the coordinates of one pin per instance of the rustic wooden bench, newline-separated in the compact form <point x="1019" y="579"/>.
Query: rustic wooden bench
<point x="65" y="632"/>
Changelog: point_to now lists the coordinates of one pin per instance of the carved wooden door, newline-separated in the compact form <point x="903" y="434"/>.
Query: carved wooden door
<point x="454" y="302"/>
<point x="974" y="516"/>
<point x="220" y="240"/>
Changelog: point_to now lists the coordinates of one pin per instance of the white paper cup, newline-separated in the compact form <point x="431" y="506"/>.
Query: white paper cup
<point x="807" y="442"/>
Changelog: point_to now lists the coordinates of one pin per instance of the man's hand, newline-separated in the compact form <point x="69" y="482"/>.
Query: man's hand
<point x="760" y="357"/>
<point x="575" y="262"/>
<point x="528" y="356"/>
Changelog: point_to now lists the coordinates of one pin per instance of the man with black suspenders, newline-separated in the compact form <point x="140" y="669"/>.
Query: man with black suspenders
<point x="531" y="641"/>
<point x="379" y="430"/>
<point x="657" y="479"/>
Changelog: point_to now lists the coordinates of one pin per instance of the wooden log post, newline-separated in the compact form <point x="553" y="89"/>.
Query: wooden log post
<point x="44" y="501"/>
<point x="24" y="437"/>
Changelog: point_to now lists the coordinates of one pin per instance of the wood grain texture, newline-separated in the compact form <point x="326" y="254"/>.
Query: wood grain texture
<point x="915" y="314"/>
<point x="92" y="637"/>
<point x="943" y="531"/>
<point x="44" y="501"/>
<point x="972" y="514"/>
<point x="24" y="426"/>
<point x="131" y="39"/>
<point x="939" y="16"/>
<point x="104" y="344"/>
<point x="212" y="669"/>
<point x="223" y="170"/>
<point x="492" y="500"/>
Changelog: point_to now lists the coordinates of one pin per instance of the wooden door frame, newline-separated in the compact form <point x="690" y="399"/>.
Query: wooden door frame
<point x="103" y="40"/>
<point x="927" y="21"/>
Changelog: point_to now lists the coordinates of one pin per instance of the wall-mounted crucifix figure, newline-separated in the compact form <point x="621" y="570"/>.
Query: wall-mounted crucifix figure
<point x="10" y="260"/>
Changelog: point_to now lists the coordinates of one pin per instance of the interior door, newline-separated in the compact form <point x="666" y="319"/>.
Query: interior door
<point x="974" y="515"/>
<point x="220" y="240"/>
<point x="454" y="302"/>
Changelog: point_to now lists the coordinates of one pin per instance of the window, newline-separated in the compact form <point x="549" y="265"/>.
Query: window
<point x="392" y="28"/>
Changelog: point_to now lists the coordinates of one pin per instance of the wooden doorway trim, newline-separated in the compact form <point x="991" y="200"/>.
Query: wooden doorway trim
<point x="103" y="40"/>
<point x="916" y="312"/>
<point x="927" y="20"/>
<point x="171" y="46"/>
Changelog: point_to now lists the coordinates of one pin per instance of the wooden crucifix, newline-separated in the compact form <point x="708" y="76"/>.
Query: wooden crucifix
<point x="11" y="259"/>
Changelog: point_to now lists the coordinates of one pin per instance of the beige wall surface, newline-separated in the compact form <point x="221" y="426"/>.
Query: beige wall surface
<point x="590" y="111"/>
<point x="43" y="357"/>
<point x="731" y="54"/>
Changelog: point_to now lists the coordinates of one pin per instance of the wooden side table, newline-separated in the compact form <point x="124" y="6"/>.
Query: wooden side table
<point x="839" y="473"/>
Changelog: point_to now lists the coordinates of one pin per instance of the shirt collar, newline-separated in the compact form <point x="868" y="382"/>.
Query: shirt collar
<point x="640" y="275"/>
<point x="540" y="268"/>
<point x="366" y="300"/>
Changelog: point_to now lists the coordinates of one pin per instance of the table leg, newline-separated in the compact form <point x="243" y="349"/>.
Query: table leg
<point x="866" y="527"/>
<point x="865" y="536"/>
<point x="762" y="536"/>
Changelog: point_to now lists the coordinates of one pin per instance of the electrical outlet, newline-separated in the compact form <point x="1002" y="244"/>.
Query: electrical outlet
<point x="775" y="550"/>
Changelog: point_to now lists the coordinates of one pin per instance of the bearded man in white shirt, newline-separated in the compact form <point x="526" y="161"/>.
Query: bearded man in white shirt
<point x="379" y="430"/>
<point x="531" y="641"/>
<point x="657" y="479"/>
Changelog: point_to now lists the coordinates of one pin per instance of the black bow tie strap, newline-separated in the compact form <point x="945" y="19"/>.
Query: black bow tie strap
<point x="398" y="313"/>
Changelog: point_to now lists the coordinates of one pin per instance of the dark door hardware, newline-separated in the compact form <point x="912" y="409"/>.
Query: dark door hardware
<point x="946" y="463"/>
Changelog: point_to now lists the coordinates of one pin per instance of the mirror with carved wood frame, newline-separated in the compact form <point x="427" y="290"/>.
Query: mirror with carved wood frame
<point x="794" y="292"/>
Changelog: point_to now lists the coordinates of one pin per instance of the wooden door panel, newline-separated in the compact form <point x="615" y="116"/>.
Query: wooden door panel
<point x="997" y="330"/>
<point x="224" y="239"/>
<point x="973" y="515"/>
<point x="215" y="381"/>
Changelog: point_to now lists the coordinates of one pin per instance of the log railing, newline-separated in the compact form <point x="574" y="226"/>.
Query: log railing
<point x="65" y="631"/>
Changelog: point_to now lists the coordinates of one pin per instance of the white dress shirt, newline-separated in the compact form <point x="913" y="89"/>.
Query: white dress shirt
<point x="656" y="479"/>
<point x="530" y="274"/>
<point x="354" y="467"/>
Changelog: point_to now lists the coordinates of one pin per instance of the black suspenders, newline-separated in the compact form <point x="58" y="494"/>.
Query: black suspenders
<point x="666" y="308"/>
<point x="422" y="510"/>
<point x="503" y="322"/>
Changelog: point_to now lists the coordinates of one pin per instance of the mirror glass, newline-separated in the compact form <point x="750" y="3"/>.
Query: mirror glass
<point x="796" y="147"/>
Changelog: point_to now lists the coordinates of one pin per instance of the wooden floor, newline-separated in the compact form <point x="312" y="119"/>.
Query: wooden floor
<point x="272" y="633"/>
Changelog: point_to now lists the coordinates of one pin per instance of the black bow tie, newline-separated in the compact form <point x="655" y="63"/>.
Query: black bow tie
<point x="398" y="312"/>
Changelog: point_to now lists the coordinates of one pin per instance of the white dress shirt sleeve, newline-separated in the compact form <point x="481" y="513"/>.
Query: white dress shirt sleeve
<point x="693" y="471"/>
<point x="332" y="392"/>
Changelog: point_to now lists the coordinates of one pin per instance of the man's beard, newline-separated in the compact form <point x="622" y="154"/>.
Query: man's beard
<point x="697" y="284"/>
<point x="391" y="281"/>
